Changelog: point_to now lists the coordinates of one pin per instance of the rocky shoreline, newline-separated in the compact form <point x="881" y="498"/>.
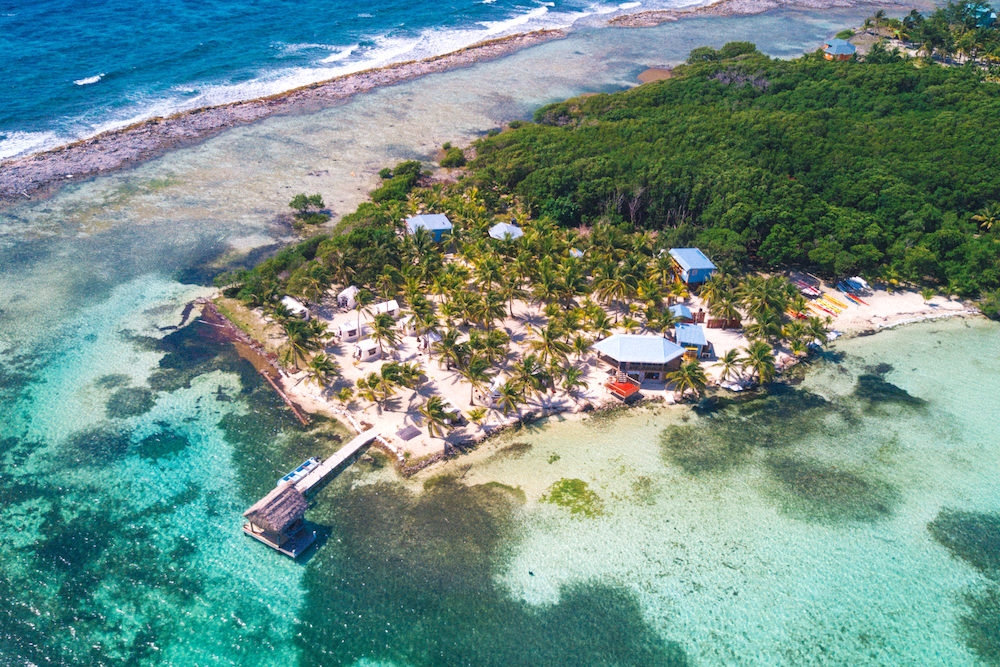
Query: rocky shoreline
<point x="41" y="174"/>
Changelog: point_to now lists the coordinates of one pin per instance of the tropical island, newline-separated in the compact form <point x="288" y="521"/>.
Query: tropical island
<point x="460" y="300"/>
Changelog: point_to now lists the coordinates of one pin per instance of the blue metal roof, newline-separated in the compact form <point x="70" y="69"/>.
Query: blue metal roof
<point x="691" y="258"/>
<point x="690" y="334"/>
<point x="839" y="47"/>
<point x="680" y="310"/>
<point x="503" y="230"/>
<point x="639" y="349"/>
<point x="429" y="221"/>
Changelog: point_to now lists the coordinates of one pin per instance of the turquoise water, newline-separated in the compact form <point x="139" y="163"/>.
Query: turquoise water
<point x="849" y="519"/>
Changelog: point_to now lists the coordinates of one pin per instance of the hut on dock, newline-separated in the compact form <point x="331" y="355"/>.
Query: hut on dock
<point x="277" y="521"/>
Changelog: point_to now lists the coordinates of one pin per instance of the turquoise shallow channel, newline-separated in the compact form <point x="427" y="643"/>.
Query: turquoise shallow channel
<point x="850" y="517"/>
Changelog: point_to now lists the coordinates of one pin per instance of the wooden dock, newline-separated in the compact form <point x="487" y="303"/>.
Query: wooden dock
<point x="320" y="472"/>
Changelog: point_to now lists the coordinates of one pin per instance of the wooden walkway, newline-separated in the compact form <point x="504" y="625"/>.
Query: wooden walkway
<point x="319" y="473"/>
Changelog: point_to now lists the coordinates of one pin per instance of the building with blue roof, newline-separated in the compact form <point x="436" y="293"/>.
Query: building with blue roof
<point x="504" y="231"/>
<point x="437" y="224"/>
<point x="691" y="337"/>
<point x="681" y="312"/>
<point x="692" y="265"/>
<point x="985" y="16"/>
<point x="838" y="49"/>
<point x="645" y="357"/>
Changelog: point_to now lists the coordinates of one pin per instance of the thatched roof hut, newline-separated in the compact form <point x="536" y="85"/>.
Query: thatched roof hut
<point x="279" y="511"/>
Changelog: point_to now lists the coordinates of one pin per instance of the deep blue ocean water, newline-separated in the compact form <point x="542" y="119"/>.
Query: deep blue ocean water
<point x="73" y="68"/>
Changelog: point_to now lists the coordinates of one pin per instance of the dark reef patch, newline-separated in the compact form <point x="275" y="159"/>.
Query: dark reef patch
<point x="514" y="450"/>
<point x="99" y="445"/>
<point x="972" y="536"/>
<point x="129" y="402"/>
<point x="876" y="390"/>
<point x="726" y="437"/>
<point x="113" y="381"/>
<point x="815" y="492"/>
<point x="161" y="444"/>
<point x="980" y="626"/>
<point x="424" y="574"/>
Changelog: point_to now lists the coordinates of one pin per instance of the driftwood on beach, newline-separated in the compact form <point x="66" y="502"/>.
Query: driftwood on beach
<point x="42" y="173"/>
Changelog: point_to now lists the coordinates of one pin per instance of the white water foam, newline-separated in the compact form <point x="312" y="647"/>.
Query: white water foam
<point x="13" y="144"/>
<point x="342" y="60"/>
<point x="90" y="79"/>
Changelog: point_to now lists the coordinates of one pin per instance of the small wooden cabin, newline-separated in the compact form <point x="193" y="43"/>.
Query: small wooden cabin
<point x="277" y="521"/>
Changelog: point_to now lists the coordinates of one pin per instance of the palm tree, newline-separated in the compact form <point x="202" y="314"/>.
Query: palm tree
<point x="613" y="289"/>
<point x="817" y="328"/>
<point x="730" y="362"/>
<point x="304" y="337"/>
<point x="436" y="417"/>
<point x="548" y="342"/>
<point x="529" y="374"/>
<point x="368" y="391"/>
<point x="987" y="216"/>
<point x="580" y="345"/>
<point x="766" y="325"/>
<point x="384" y="331"/>
<point x="345" y="395"/>
<point x="387" y="283"/>
<point x="661" y="320"/>
<point x="508" y="397"/>
<point x="362" y="299"/>
<point x="488" y="272"/>
<point x="512" y="290"/>
<point x="477" y="415"/>
<point x="600" y="322"/>
<point x="476" y="373"/>
<point x="449" y="349"/>
<point x="409" y="374"/>
<point x="572" y="379"/>
<point x="690" y="375"/>
<point x="322" y="369"/>
<point x="759" y="360"/>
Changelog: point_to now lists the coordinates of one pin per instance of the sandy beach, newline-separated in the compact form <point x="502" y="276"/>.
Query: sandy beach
<point x="881" y="309"/>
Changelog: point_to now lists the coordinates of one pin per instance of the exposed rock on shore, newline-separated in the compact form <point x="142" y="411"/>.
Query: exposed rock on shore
<point x="42" y="173"/>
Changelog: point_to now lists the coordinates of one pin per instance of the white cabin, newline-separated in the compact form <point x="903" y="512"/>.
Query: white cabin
<point x="366" y="350"/>
<point x="391" y="307"/>
<point x="295" y="307"/>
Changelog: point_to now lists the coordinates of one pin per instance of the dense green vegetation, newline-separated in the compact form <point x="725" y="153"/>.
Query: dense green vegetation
<point x="883" y="168"/>
<point x="960" y="31"/>
<point x="844" y="167"/>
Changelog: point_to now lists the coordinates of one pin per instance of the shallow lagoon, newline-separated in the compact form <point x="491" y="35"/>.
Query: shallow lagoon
<point x="843" y="520"/>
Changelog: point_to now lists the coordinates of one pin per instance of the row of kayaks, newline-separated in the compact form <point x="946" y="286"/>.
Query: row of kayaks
<point x="845" y="288"/>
